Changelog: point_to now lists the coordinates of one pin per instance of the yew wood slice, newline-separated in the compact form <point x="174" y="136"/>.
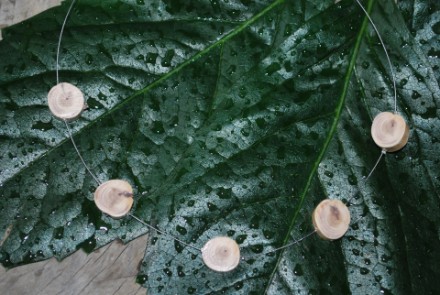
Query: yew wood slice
<point x="66" y="101"/>
<point x="331" y="219"/>
<point x="114" y="197"/>
<point x="390" y="131"/>
<point x="221" y="254"/>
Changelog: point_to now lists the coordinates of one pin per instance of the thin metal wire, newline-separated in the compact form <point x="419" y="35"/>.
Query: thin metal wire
<point x="79" y="154"/>
<point x="69" y="131"/>
<point x="386" y="54"/>
<point x="382" y="153"/>
<point x="173" y="237"/>
<point x="60" y="38"/>
<point x="292" y="243"/>
<point x="164" y="233"/>
<point x="354" y="222"/>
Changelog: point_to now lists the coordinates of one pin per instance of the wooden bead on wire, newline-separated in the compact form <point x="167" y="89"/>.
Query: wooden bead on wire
<point x="331" y="219"/>
<point x="390" y="131"/>
<point x="66" y="101"/>
<point x="221" y="254"/>
<point x="114" y="197"/>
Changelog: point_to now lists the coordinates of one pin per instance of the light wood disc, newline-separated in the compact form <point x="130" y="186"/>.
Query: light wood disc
<point x="390" y="131"/>
<point x="331" y="219"/>
<point x="114" y="197"/>
<point x="66" y="101"/>
<point x="221" y="254"/>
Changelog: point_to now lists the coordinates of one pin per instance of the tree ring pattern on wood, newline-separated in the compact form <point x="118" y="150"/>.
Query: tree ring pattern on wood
<point x="66" y="101"/>
<point x="390" y="131"/>
<point x="331" y="219"/>
<point x="114" y="197"/>
<point x="221" y="254"/>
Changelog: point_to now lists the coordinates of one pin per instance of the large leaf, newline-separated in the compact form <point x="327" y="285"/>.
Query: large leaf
<point x="230" y="118"/>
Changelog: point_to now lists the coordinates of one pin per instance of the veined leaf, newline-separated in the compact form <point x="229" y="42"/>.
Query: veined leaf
<point x="230" y="118"/>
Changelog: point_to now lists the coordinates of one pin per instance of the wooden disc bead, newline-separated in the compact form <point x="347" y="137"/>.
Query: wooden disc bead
<point x="390" y="131"/>
<point x="114" y="197"/>
<point x="221" y="254"/>
<point x="66" y="101"/>
<point x="331" y="219"/>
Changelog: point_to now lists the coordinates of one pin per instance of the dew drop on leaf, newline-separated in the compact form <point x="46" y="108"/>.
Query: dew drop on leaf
<point x="141" y="279"/>
<point x="298" y="271"/>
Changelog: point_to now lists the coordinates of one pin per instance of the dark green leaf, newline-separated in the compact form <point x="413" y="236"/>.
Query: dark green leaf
<point x="229" y="118"/>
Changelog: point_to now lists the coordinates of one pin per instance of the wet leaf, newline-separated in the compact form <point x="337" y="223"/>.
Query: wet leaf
<point x="230" y="118"/>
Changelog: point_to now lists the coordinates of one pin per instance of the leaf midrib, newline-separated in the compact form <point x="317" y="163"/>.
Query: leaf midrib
<point x="157" y="82"/>
<point x="332" y="131"/>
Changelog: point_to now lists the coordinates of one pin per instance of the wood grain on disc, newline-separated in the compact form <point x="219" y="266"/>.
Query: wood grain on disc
<point x="114" y="197"/>
<point x="331" y="219"/>
<point x="221" y="254"/>
<point x="66" y="101"/>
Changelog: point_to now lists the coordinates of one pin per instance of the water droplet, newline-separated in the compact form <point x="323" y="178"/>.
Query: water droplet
<point x="181" y="230"/>
<point x="158" y="127"/>
<point x="43" y="126"/>
<point x="436" y="28"/>
<point x="103" y="228"/>
<point x="298" y="271"/>
<point x="151" y="58"/>
<point x="58" y="233"/>
<point x="180" y="272"/>
<point x="403" y="82"/>
<point x="257" y="248"/>
<point x="240" y="239"/>
<point x="238" y="285"/>
<point x="288" y="30"/>
<point x="166" y="60"/>
<point x="430" y="113"/>
<point x="255" y="222"/>
<point x="224" y="193"/>
<point x="261" y="123"/>
<point x="141" y="279"/>
<point x="168" y="272"/>
<point x="268" y="234"/>
<point x="384" y="258"/>
<point x="93" y="103"/>
<point x="211" y="207"/>
<point x="415" y="95"/>
<point x="89" y="59"/>
<point x="328" y="174"/>
<point x="231" y="70"/>
<point x="234" y="13"/>
<point x="364" y="271"/>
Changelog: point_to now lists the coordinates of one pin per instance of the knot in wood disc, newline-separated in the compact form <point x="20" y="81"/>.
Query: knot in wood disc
<point x="221" y="254"/>
<point x="331" y="219"/>
<point x="66" y="101"/>
<point x="114" y="197"/>
<point x="390" y="131"/>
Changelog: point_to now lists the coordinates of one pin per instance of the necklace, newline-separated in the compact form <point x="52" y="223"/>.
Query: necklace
<point x="69" y="102"/>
